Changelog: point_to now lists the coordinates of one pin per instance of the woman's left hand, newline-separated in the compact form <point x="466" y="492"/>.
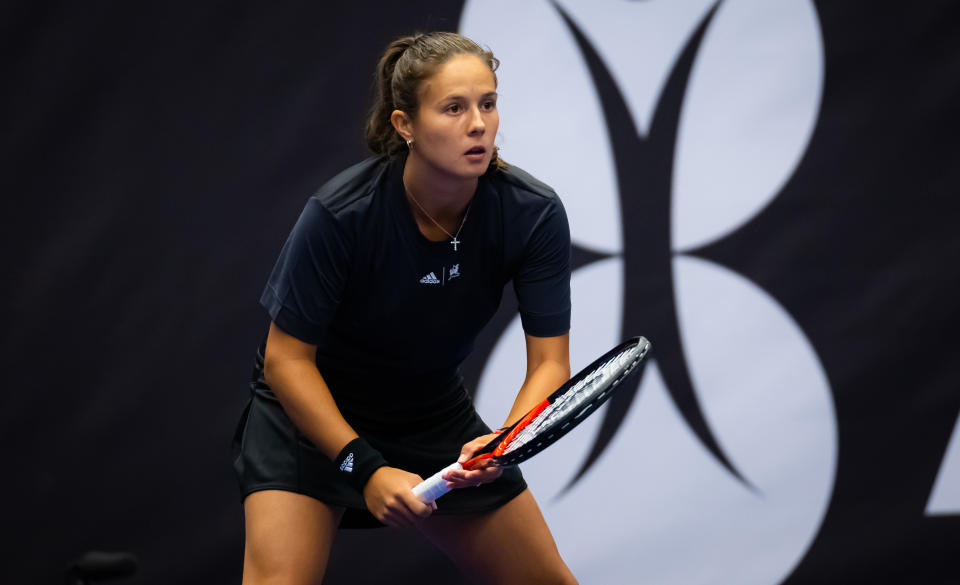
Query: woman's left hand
<point x="486" y="472"/>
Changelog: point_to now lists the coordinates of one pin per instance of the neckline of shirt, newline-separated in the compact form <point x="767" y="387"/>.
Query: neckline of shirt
<point x="399" y="198"/>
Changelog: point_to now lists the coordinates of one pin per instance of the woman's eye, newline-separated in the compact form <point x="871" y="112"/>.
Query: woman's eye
<point x="489" y="105"/>
<point x="454" y="109"/>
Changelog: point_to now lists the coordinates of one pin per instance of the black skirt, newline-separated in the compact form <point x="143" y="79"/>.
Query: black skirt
<point x="271" y="453"/>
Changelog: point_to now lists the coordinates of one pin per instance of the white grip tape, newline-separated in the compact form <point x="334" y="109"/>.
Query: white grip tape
<point x="434" y="486"/>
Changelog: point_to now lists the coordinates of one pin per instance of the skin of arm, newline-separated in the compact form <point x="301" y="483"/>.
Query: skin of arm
<point x="548" y="367"/>
<point x="290" y="370"/>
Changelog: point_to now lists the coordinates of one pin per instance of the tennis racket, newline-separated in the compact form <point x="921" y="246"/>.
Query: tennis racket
<point x="556" y="416"/>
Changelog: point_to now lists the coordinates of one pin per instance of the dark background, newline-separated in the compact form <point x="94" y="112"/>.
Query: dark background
<point x="155" y="156"/>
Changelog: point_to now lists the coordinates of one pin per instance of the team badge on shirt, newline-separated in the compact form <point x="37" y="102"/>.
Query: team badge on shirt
<point x="445" y="274"/>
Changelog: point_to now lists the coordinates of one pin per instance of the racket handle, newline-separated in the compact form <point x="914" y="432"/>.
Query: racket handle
<point x="434" y="486"/>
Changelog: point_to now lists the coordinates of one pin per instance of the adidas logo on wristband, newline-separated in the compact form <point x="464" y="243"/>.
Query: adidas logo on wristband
<point x="347" y="465"/>
<point x="357" y="461"/>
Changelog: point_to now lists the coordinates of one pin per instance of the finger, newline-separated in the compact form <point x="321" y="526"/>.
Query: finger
<point x="457" y="479"/>
<point x="417" y="507"/>
<point x="482" y="463"/>
<point x="472" y="475"/>
<point x="402" y="517"/>
<point x="461" y="484"/>
<point x="461" y="479"/>
<point x="400" y="512"/>
<point x="468" y="449"/>
<point x="466" y="453"/>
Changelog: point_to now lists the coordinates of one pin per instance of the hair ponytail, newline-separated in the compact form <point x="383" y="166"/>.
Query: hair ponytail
<point x="382" y="138"/>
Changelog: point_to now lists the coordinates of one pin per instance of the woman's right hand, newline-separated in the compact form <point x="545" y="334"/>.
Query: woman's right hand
<point x="390" y="498"/>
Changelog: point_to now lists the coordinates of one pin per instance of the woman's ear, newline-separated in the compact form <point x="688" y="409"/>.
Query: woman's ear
<point x="402" y="124"/>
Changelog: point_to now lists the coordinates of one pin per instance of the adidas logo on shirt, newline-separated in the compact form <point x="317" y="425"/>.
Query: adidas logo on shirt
<point x="430" y="279"/>
<point x="347" y="465"/>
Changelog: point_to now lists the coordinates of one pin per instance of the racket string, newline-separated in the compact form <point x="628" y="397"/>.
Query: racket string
<point x="592" y="384"/>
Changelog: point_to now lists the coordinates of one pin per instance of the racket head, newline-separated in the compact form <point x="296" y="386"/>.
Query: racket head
<point x="597" y="383"/>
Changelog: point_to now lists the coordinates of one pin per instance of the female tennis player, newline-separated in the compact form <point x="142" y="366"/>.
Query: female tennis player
<point x="379" y="292"/>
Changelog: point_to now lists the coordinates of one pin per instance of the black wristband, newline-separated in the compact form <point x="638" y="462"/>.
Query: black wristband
<point x="357" y="461"/>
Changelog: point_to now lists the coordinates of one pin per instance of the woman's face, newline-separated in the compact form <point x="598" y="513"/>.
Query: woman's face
<point x="456" y="124"/>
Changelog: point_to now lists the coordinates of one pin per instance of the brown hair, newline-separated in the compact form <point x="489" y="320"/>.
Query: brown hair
<point x="406" y="63"/>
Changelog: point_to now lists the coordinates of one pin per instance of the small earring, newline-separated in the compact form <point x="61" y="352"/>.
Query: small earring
<point x="410" y="144"/>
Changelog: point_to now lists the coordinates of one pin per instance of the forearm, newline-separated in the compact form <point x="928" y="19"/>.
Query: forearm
<point x="539" y="383"/>
<point x="306" y="399"/>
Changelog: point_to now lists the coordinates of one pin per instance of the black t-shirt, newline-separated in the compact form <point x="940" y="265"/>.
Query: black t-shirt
<point x="382" y="303"/>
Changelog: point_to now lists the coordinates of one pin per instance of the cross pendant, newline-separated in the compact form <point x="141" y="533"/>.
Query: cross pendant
<point x="454" y="241"/>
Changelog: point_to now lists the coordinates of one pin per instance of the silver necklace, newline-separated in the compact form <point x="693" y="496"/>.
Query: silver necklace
<point x="454" y="241"/>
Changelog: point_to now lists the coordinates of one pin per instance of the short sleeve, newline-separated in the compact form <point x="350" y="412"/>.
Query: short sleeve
<point x="542" y="283"/>
<point x="307" y="282"/>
